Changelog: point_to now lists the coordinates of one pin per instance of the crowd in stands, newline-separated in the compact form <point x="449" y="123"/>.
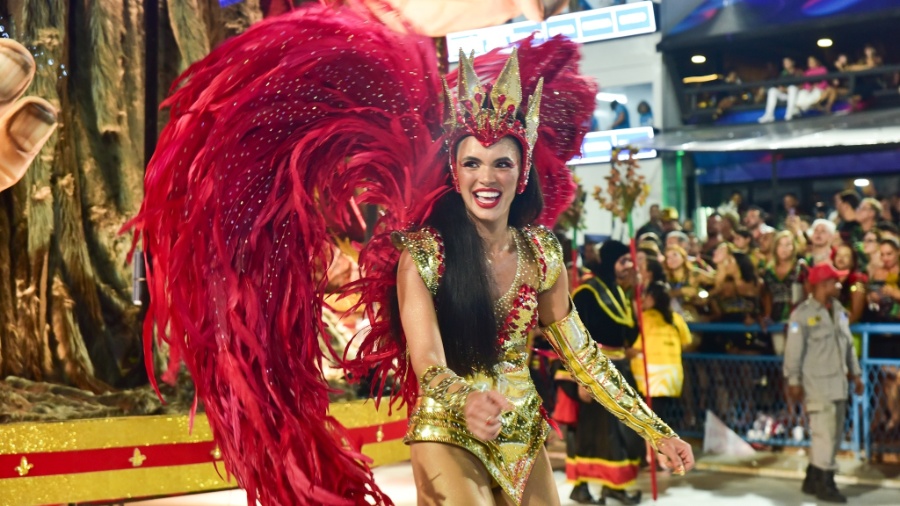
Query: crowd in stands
<point x="750" y="267"/>
<point x="621" y="118"/>
<point x="800" y="98"/>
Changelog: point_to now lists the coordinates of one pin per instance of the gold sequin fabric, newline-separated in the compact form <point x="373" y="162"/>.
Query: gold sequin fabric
<point x="510" y="457"/>
<point x="427" y="251"/>
<point x="596" y="372"/>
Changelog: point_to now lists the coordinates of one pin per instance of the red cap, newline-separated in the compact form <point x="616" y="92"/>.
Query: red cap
<point x="824" y="272"/>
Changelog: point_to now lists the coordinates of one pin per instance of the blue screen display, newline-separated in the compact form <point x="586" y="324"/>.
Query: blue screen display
<point x="721" y="17"/>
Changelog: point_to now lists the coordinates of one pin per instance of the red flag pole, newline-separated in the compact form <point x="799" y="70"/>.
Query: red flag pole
<point x="574" y="271"/>
<point x="640" y="325"/>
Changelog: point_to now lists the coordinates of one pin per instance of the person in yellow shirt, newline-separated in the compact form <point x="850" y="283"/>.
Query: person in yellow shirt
<point x="666" y="334"/>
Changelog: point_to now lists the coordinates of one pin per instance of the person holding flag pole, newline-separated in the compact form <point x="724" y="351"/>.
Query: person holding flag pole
<point x="607" y="452"/>
<point x="609" y="292"/>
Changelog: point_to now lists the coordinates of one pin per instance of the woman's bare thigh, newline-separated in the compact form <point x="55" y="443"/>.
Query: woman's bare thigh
<point x="448" y="475"/>
<point x="540" y="489"/>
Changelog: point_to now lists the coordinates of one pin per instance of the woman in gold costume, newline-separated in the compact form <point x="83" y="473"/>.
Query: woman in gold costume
<point x="471" y="284"/>
<point x="313" y="114"/>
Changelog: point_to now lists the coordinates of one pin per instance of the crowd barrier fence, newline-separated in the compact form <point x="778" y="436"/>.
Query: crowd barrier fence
<point x="747" y="393"/>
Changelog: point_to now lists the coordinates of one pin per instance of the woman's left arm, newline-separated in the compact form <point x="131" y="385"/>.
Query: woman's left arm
<point x="857" y="302"/>
<point x="594" y="371"/>
<point x="684" y="333"/>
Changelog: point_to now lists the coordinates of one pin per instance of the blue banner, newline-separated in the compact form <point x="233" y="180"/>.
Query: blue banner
<point x="586" y="26"/>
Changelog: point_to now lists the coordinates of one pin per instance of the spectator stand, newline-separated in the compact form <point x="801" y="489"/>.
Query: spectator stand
<point x="697" y="110"/>
<point x="855" y="145"/>
<point x="747" y="393"/>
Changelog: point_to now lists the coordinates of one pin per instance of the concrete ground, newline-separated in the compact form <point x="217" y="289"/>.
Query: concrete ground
<point x="766" y="479"/>
<point x="793" y="466"/>
<point x="697" y="488"/>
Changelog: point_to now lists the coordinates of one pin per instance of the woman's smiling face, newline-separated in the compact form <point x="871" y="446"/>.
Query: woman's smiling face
<point x="674" y="260"/>
<point x="721" y="253"/>
<point x="843" y="258"/>
<point x="784" y="250"/>
<point x="488" y="177"/>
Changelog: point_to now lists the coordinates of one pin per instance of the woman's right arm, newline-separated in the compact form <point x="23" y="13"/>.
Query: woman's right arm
<point x="417" y="314"/>
<point x="721" y="273"/>
<point x="426" y="354"/>
<point x="857" y="302"/>
<point x="747" y="288"/>
<point x="766" y="299"/>
<point x="596" y="374"/>
<point x="703" y="276"/>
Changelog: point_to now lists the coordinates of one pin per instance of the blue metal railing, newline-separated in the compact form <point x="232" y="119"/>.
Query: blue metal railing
<point x="747" y="390"/>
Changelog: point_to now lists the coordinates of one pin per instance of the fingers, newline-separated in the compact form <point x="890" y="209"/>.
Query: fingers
<point x="483" y="414"/>
<point x="16" y="72"/>
<point x="679" y="453"/>
<point x="492" y="428"/>
<point x="687" y="456"/>
<point x="664" y="462"/>
<point x="671" y="454"/>
<point x="485" y="427"/>
<point x="23" y="132"/>
<point x="26" y="125"/>
<point x="500" y="401"/>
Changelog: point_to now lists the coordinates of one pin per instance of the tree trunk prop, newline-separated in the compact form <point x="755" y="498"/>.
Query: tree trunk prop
<point x="66" y="311"/>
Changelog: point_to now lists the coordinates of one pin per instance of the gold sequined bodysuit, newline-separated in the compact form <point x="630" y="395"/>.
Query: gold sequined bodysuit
<point x="511" y="456"/>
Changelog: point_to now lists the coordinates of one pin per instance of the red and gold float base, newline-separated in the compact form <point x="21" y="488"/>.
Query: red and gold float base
<point x="108" y="459"/>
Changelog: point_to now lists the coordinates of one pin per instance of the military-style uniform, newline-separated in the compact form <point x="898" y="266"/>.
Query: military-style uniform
<point x="818" y="356"/>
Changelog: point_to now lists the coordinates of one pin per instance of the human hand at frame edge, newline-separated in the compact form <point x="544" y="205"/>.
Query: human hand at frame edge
<point x="26" y="124"/>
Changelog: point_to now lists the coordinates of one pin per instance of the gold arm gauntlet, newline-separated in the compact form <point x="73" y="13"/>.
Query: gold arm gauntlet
<point x="451" y="390"/>
<point x="593" y="370"/>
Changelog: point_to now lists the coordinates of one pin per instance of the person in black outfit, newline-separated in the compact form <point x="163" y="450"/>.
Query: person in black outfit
<point x="605" y="451"/>
<point x="850" y="230"/>
<point x="655" y="223"/>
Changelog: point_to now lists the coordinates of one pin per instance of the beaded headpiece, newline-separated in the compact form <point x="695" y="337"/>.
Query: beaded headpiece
<point x="489" y="112"/>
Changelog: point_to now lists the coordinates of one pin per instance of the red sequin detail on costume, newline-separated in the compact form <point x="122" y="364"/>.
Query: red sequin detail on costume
<point x="439" y="256"/>
<point x="523" y="306"/>
<point x="542" y="261"/>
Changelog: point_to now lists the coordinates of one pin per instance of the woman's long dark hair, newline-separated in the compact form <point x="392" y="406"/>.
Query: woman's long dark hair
<point x="662" y="302"/>
<point x="655" y="269"/>
<point x="464" y="305"/>
<point x="745" y="267"/>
